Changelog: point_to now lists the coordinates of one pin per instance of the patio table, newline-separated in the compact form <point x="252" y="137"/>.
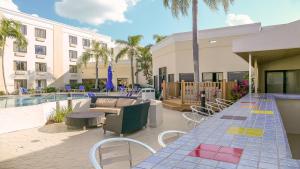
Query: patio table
<point x="239" y="137"/>
<point x="84" y="119"/>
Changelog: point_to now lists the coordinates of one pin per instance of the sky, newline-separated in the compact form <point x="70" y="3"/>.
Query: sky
<point x="121" y="18"/>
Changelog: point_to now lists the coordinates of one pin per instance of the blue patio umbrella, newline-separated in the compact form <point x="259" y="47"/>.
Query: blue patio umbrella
<point x="109" y="83"/>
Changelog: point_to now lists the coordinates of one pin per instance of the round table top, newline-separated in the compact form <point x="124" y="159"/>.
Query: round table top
<point x="84" y="115"/>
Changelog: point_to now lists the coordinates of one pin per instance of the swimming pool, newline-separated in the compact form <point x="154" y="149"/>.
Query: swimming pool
<point x="19" y="101"/>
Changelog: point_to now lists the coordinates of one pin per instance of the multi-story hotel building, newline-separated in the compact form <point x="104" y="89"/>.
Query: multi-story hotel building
<point x="51" y="55"/>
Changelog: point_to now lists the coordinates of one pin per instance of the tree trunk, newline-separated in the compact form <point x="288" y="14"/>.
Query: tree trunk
<point x="97" y="74"/>
<point x="195" y="41"/>
<point x="137" y="73"/>
<point x="132" y="71"/>
<point x="3" y="73"/>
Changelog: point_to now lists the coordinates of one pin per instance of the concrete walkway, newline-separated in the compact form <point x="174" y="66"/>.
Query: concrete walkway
<point x="56" y="147"/>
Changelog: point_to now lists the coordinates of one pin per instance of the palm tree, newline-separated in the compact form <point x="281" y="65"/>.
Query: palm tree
<point x="10" y="29"/>
<point x="97" y="51"/>
<point x="145" y="63"/>
<point x="181" y="7"/>
<point x="158" y="38"/>
<point x="131" y="49"/>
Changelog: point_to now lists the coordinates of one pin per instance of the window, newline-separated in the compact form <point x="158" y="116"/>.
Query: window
<point x="41" y="83"/>
<point x="20" y="83"/>
<point x="72" y="54"/>
<point x="72" y="40"/>
<point x="170" y="77"/>
<point x="20" y="66"/>
<point x="17" y="48"/>
<point x="237" y="76"/>
<point x="187" y="77"/>
<point x="40" y="67"/>
<point x="73" y="81"/>
<point x="73" y="69"/>
<point x="40" y="50"/>
<point x="86" y="43"/>
<point x="24" y="29"/>
<point x="212" y="77"/>
<point x="40" y="33"/>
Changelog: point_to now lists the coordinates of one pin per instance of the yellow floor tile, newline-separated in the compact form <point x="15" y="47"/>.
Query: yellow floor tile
<point x="250" y="132"/>
<point x="269" y="112"/>
<point x="236" y="130"/>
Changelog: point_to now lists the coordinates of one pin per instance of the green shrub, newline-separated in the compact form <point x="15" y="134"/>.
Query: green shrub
<point x="60" y="114"/>
<point x="50" y="89"/>
<point x="2" y="93"/>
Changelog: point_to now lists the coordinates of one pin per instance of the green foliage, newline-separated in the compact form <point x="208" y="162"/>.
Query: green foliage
<point x="131" y="49"/>
<point x="50" y="89"/>
<point x="159" y="38"/>
<point x="60" y="114"/>
<point x="2" y="93"/>
<point x="145" y="63"/>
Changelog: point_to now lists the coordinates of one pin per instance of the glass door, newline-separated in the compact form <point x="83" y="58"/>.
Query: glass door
<point x="275" y="82"/>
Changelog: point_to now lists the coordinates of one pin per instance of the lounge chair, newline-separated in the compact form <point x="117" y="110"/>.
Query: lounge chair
<point x="68" y="88"/>
<point x="81" y="88"/>
<point x="23" y="90"/>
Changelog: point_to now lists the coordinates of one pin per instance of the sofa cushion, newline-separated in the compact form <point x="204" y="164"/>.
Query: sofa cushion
<point x="106" y="110"/>
<point x="124" y="102"/>
<point x="104" y="102"/>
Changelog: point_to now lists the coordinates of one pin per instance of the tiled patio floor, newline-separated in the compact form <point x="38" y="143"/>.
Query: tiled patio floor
<point x="56" y="147"/>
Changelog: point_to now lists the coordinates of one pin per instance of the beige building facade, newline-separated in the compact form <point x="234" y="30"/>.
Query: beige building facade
<point x="224" y="55"/>
<point x="51" y="56"/>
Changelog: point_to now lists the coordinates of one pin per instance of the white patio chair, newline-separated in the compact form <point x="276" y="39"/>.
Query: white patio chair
<point x="106" y="150"/>
<point x="213" y="106"/>
<point x="163" y="142"/>
<point x="223" y="104"/>
<point x="197" y="115"/>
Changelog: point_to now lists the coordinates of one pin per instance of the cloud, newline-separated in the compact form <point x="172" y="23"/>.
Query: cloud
<point x="238" y="19"/>
<point x="9" y="4"/>
<point x="90" y="29"/>
<point x="35" y="15"/>
<point x="94" y="12"/>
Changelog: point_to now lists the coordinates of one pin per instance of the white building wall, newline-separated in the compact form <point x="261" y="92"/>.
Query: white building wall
<point x="30" y="56"/>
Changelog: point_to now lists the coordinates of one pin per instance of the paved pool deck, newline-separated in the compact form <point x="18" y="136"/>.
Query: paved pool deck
<point x="248" y="135"/>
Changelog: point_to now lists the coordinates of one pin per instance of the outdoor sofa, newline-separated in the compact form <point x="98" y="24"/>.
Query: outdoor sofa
<point x="130" y="119"/>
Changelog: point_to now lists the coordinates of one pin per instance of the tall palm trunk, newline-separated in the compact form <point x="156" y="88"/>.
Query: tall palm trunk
<point x="137" y="73"/>
<point x="3" y="73"/>
<point x="195" y="41"/>
<point x="132" y="71"/>
<point x="97" y="73"/>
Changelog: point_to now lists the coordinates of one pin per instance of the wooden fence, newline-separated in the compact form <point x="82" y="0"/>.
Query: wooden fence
<point x="189" y="92"/>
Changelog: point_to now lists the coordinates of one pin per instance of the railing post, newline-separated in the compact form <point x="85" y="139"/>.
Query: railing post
<point x="182" y="91"/>
<point x="224" y="89"/>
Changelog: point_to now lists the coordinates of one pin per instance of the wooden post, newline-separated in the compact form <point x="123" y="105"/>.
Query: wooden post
<point x="182" y="91"/>
<point x="224" y="89"/>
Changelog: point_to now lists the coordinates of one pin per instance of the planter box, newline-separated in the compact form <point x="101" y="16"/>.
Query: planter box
<point x="155" y="115"/>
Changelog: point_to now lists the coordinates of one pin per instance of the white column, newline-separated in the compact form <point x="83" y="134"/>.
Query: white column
<point x="250" y="72"/>
<point x="256" y="75"/>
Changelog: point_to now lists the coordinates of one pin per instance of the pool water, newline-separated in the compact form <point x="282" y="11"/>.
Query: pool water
<point x="19" y="101"/>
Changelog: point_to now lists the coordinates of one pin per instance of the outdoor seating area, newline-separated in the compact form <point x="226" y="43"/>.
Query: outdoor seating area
<point x="149" y="84"/>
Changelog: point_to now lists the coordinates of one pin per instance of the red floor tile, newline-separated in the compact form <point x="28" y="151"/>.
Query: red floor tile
<point x="208" y="147"/>
<point x="233" y="151"/>
<point x="218" y="153"/>
<point x="203" y="154"/>
<point x="227" y="158"/>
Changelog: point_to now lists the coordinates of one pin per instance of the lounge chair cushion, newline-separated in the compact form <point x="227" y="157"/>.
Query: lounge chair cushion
<point x="124" y="102"/>
<point x="105" y="110"/>
<point x="104" y="102"/>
